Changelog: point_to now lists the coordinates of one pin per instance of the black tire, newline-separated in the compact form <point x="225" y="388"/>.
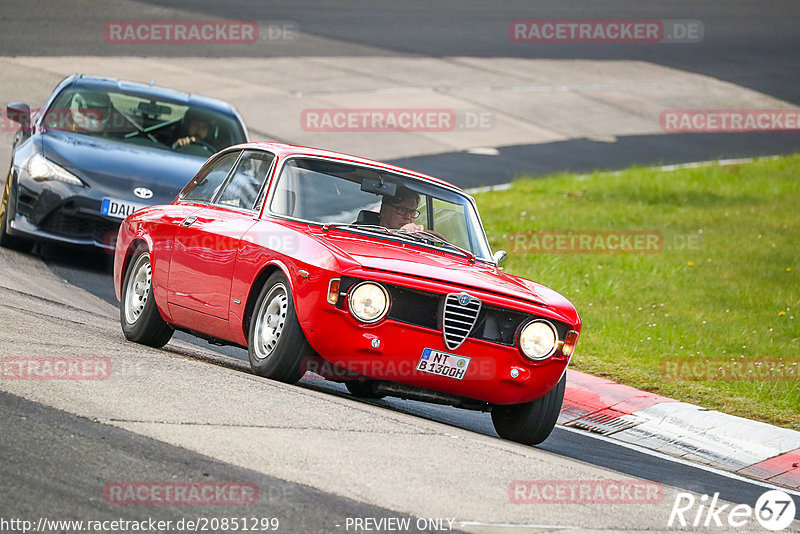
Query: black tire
<point x="363" y="389"/>
<point x="7" y="240"/>
<point x="530" y="423"/>
<point x="138" y="313"/>
<point x="276" y="344"/>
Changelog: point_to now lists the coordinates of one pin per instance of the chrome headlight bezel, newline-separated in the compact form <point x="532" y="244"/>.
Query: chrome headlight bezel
<point x="352" y="297"/>
<point x="41" y="169"/>
<point x="537" y="323"/>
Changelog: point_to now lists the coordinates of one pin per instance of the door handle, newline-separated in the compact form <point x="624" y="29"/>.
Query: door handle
<point x="188" y="221"/>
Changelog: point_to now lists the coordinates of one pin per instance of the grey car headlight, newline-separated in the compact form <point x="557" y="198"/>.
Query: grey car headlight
<point x="368" y="302"/>
<point x="40" y="169"/>
<point x="538" y="339"/>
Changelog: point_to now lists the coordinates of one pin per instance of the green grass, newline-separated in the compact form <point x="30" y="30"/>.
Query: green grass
<point x="733" y="294"/>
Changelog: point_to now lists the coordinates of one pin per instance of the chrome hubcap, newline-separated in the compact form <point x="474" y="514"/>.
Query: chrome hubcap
<point x="270" y="321"/>
<point x="138" y="289"/>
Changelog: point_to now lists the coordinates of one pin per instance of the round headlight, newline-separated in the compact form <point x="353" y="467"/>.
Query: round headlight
<point x="368" y="302"/>
<point x="538" y="340"/>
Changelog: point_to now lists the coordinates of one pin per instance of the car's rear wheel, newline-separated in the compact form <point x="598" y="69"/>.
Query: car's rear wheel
<point x="141" y="321"/>
<point x="530" y="423"/>
<point x="363" y="388"/>
<point x="275" y="342"/>
<point x="7" y="240"/>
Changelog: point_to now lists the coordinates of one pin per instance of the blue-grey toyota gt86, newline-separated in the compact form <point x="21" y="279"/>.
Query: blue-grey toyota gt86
<point x="99" y="150"/>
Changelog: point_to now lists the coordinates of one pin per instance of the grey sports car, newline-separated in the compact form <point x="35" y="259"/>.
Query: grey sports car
<point x="99" y="150"/>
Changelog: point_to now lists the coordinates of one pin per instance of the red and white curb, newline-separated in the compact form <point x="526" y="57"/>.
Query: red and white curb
<point x="676" y="428"/>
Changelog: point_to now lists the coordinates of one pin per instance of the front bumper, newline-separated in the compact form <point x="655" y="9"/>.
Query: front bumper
<point x="390" y="350"/>
<point x="61" y="213"/>
<point x="71" y="222"/>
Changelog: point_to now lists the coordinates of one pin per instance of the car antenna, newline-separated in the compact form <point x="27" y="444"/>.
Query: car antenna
<point x="152" y="82"/>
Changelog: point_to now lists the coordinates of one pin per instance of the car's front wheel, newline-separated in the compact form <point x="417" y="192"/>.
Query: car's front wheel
<point x="7" y="240"/>
<point x="275" y="342"/>
<point x="141" y="321"/>
<point x="530" y="423"/>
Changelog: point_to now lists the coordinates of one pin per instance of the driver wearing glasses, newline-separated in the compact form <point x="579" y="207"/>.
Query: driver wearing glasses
<point x="400" y="211"/>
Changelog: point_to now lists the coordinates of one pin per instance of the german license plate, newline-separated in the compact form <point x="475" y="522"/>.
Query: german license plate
<point x="441" y="363"/>
<point x="119" y="208"/>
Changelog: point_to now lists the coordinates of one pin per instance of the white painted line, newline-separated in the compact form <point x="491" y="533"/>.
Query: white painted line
<point x="485" y="188"/>
<point x="678" y="166"/>
<point x="721" y="162"/>
<point x="656" y="454"/>
<point x="483" y="151"/>
<point x="511" y="525"/>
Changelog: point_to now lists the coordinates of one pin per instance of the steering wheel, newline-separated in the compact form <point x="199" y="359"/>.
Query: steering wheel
<point x="198" y="142"/>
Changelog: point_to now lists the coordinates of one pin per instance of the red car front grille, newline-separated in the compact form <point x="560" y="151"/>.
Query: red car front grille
<point x="460" y="313"/>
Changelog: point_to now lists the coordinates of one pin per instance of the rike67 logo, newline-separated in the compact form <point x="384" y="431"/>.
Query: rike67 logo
<point x="774" y="510"/>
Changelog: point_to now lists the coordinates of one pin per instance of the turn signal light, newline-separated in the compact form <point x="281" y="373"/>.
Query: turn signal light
<point x="333" y="291"/>
<point x="569" y="343"/>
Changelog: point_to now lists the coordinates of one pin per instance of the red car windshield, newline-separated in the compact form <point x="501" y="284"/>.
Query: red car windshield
<point x="331" y="192"/>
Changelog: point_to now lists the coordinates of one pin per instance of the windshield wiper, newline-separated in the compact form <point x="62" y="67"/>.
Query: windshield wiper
<point x="429" y="236"/>
<point x="367" y="227"/>
<point x="426" y="237"/>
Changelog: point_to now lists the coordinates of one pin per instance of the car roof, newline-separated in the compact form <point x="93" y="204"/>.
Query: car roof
<point x="102" y="82"/>
<point x="283" y="150"/>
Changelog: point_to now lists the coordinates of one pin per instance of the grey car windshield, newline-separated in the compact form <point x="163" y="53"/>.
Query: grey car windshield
<point x="144" y="120"/>
<point x="332" y="192"/>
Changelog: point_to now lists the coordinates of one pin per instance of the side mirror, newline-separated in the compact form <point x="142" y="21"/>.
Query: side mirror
<point x="20" y="112"/>
<point x="499" y="257"/>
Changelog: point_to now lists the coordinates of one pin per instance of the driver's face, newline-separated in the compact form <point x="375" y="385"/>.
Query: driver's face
<point x="390" y="218"/>
<point x="198" y="129"/>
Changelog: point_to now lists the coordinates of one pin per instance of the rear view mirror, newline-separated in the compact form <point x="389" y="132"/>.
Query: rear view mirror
<point x="151" y="108"/>
<point x="20" y="112"/>
<point x="379" y="187"/>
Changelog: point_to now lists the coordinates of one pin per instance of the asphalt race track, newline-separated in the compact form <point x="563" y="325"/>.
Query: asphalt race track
<point x="580" y="446"/>
<point x="58" y="451"/>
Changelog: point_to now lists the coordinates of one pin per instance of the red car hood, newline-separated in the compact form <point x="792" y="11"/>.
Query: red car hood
<point x="403" y="258"/>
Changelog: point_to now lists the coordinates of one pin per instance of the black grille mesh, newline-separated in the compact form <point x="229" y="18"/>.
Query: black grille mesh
<point x="81" y="227"/>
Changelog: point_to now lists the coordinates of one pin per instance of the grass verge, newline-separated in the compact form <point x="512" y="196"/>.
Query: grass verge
<point x="709" y="314"/>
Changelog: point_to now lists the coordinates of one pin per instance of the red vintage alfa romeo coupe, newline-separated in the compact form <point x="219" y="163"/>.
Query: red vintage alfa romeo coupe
<point x="360" y="271"/>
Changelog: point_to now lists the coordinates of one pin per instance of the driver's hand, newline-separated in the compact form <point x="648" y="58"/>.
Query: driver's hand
<point x="412" y="227"/>
<point x="185" y="141"/>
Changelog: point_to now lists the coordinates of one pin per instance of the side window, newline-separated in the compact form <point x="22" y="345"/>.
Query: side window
<point x="206" y="184"/>
<point x="242" y="189"/>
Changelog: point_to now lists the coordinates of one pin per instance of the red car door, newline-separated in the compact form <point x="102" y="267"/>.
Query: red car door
<point x="206" y="243"/>
<point x="203" y="258"/>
